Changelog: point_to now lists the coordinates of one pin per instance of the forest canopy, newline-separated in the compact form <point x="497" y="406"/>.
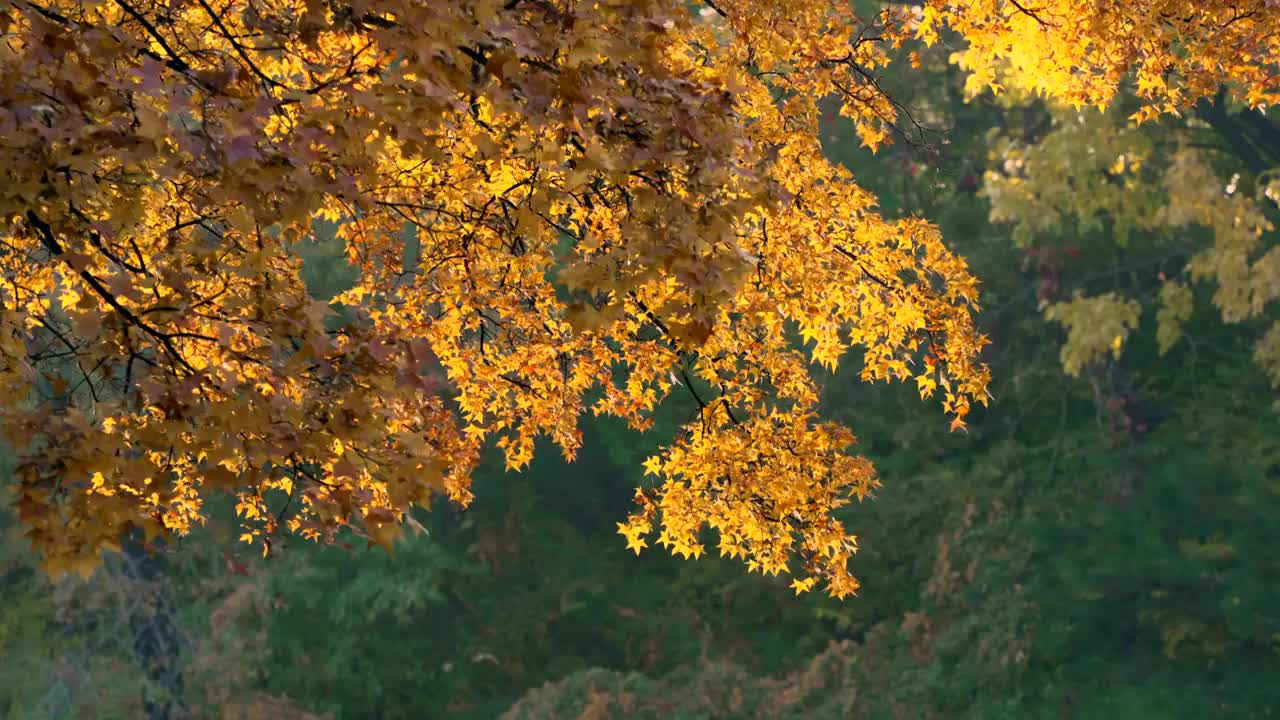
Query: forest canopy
<point x="552" y="210"/>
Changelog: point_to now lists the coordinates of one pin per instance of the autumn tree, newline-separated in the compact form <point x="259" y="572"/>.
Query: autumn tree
<point x="554" y="207"/>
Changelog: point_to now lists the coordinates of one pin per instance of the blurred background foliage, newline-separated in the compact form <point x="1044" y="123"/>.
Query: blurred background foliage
<point x="1098" y="545"/>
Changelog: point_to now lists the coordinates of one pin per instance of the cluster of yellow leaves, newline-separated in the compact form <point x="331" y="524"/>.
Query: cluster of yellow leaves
<point x="1095" y="326"/>
<point x="1243" y="260"/>
<point x="715" y="478"/>
<point x="1173" y="52"/>
<point x="1176" y="302"/>
<point x="609" y="199"/>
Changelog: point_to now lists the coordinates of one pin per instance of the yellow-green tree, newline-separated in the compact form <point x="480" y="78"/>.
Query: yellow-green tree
<point x="1199" y="203"/>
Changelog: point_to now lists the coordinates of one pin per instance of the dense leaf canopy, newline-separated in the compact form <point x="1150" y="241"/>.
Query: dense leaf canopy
<point x="1171" y="52"/>
<point x="563" y="208"/>
<point x="554" y="208"/>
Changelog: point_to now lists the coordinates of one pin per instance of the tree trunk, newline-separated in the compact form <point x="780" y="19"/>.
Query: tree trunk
<point x="156" y="643"/>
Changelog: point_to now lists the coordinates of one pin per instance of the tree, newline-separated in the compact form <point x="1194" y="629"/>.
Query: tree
<point x="1185" y="201"/>
<point x="554" y="208"/>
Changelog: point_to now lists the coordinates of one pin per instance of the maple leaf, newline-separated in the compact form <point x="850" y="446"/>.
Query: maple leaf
<point x="636" y="543"/>
<point x="802" y="585"/>
<point x="926" y="384"/>
<point x="653" y="465"/>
